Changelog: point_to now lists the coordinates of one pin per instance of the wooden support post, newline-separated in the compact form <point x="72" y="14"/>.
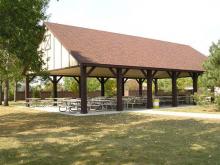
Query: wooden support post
<point x="149" y="89"/>
<point x="83" y="89"/>
<point x="79" y="87"/>
<point x="155" y="86"/>
<point x="102" y="81"/>
<point x="124" y="80"/>
<point x="195" y="82"/>
<point x="174" y="77"/>
<point x="27" y="88"/>
<point x="123" y="88"/>
<point x="140" y="88"/>
<point x="140" y="84"/>
<point x="54" y="94"/>
<point x="119" y="89"/>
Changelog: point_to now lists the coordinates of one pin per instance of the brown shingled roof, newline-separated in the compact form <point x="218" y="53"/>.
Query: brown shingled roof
<point x="99" y="47"/>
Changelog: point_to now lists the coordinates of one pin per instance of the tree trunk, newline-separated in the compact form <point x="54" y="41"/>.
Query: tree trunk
<point x="6" y="91"/>
<point x="213" y="94"/>
<point x="15" y="91"/>
<point x="0" y="92"/>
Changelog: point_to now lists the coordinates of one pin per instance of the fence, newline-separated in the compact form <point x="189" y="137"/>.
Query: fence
<point x="47" y="94"/>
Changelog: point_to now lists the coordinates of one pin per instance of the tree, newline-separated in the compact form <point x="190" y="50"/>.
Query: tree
<point x="93" y="85"/>
<point x="9" y="69"/>
<point x="212" y="67"/>
<point x="211" y="77"/>
<point x="71" y="85"/>
<point x="21" y="32"/>
<point x="110" y="87"/>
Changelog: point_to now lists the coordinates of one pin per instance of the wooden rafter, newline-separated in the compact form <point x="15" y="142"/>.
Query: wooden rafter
<point x="113" y="71"/>
<point x="90" y="71"/>
<point x="77" y="80"/>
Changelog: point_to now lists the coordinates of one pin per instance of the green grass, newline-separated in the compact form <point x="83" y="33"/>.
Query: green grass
<point x="33" y="137"/>
<point x="198" y="109"/>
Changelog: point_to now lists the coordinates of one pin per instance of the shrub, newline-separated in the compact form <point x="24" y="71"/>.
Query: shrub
<point x="35" y="93"/>
<point x="202" y="99"/>
<point x="217" y="101"/>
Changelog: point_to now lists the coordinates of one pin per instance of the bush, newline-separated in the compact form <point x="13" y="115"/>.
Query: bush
<point x="36" y="93"/>
<point x="217" y="101"/>
<point x="202" y="99"/>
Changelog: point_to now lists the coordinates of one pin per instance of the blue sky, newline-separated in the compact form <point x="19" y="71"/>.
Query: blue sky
<point x="192" y="22"/>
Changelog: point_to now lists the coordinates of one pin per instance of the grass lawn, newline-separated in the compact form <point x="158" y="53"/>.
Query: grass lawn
<point x="33" y="137"/>
<point x="200" y="109"/>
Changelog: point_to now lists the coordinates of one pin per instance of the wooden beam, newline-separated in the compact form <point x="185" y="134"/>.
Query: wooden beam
<point x="144" y="73"/>
<point x="83" y="89"/>
<point x="140" y="84"/>
<point x="90" y="71"/>
<point x="195" y="82"/>
<point x="191" y="74"/>
<point x="99" y="79"/>
<point x="155" y="86"/>
<point x="113" y="72"/>
<point x="106" y="79"/>
<point x="125" y="80"/>
<point x="77" y="80"/>
<point x="125" y="71"/>
<point x="119" y="89"/>
<point x="170" y="74"/>
<point x="149" y="89"/>
<point x="102" y="86"/>
<point x="178" y="74"/>
<point x="102" y="81"/>
<point x="59" y="79"/>
<point x="174" y="89"/>
<point x="154" y="73"/>
<point x="54" y="93"/>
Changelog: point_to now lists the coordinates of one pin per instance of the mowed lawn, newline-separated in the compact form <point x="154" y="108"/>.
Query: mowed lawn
<point x="33" y="137"/>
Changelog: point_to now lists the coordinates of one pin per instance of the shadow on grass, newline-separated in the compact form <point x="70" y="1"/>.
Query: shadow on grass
<point x="43" y="138"/>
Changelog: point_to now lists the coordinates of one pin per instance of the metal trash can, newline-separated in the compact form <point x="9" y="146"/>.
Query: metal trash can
<point x="156" y="103"/>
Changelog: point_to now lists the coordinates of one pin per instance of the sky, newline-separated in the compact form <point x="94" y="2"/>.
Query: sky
<point x="191" y="22"/>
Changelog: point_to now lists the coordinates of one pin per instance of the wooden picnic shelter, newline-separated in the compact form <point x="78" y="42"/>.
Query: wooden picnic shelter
<point x="81" y="53"/>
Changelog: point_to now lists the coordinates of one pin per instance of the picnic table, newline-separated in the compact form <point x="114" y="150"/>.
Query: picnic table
<point x="72" y="105"/>
<point x="32" y="101"/>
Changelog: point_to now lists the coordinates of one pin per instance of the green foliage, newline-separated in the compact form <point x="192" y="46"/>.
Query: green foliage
<point x="110" y="87"/>
<point x="202" y="98"/>
<point x="217" y="100"/>
<point x="36" y="91"/>
<point x="164" y="85"/>
<point x="182" y="83"/>
<point x="93" y="84"/>
<point x="211" y="78"/>
<point x="70" y="85"/>
<point x="212" y="66"/>
<point x="21" y="31"/>
<point x="10" y="67"/>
